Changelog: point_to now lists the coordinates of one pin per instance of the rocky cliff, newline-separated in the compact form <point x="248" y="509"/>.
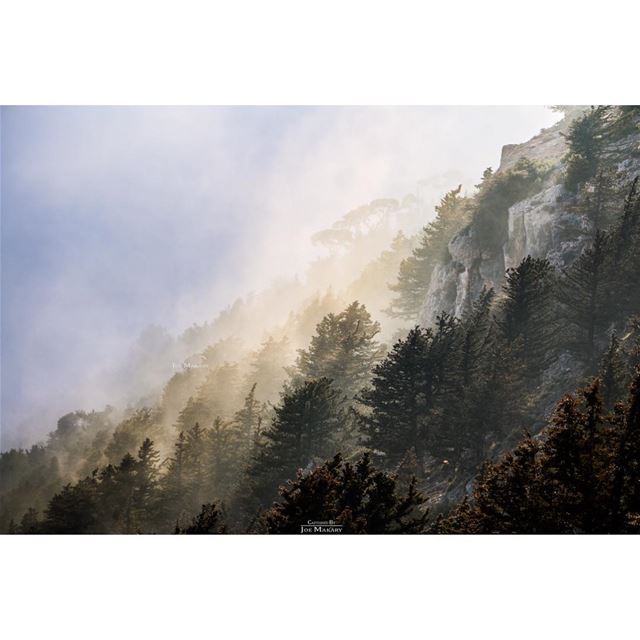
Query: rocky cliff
<point x="543" y="225"/>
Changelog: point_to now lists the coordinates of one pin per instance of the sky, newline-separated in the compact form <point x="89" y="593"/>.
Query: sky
<point x="115" y="218"/>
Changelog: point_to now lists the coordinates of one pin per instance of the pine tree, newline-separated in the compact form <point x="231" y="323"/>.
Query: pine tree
<point x="218" y="395"/>
<point x="497" y="193"/>
<point x="582" y="475"/>
<point x="138" y="479"/>
<point x="624" y="288"/>
<point x="526" y="314"/>
<point x="174" y="483"/>
<point x="227" y="457"/>
<point x="415" y="271"/>
<point x="397" y="401"/>
<point x="305" y="427"/>
<point x="73" y="509"/>
<point x="585" y="141"/>
<point x="403" y="405"/>
<point x="624" y="509"/>
<point x="583" y="294"/>
<point x="357" y="497"/>
<point x="268" y="367"/>
<point x="30" y="523"/>
<point x="612" y="373"/>
<point x="207" y="522"/>
<point x="195" y="411"/>
<point x="128" y="435"/>
<point x="599" y="199"/>
<point x="343" y="350"/>
<point x="477" y="384"/>
<point x="115" y="497"/>
<point x="247" y="420"/>
<point x="195" y="467"/>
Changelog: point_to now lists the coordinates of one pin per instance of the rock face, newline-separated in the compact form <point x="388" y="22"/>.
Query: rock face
<point x="543" y="225"/>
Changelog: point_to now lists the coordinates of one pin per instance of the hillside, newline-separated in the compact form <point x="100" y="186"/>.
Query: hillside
<point x="424" y="355"/>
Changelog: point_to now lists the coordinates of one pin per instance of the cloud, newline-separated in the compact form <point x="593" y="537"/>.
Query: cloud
<point x="116" y="218"/>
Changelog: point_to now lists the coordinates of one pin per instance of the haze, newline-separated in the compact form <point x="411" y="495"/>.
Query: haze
<point x="117" y="218"/>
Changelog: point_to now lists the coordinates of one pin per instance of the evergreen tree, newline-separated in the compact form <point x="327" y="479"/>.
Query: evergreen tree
<point x="218" y="395"/>
<point x="30" y="523"/>
<point x="174" y="483"/>
<point x="415" y="271"/>
<point x="357" y="497"/>
<point x="206" y="522"/>
<point x="585" y="141"/>
<point x="268" y="367"/>
<point x="612" y="373"/>
<point x="195" y="468"/>
<point x="599" y="200"/>
<point x="304" y="430"/>
<point x="497" y="193"/>
<point x="247" y="420"/>
<point x="403" y="405"/>
<point x="227" y="457"/>
<point x="397" y="401"/>
<point x="581" y="476"/>
<point x="194" y="412"/>
<point x="115" y="493"/>
<point x="479" y="385"/>
<point x="343" y="350"/>
<point x="73" y="510"/>
<point x="624" y="511"/>
<point x="624" y="286"/>
<point x="128" y="435"/>
<point x="526" y="314"/>
<point x="583" y="294"/>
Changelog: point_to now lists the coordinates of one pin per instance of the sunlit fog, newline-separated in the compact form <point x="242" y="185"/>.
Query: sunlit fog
<point x="124" y="227"/>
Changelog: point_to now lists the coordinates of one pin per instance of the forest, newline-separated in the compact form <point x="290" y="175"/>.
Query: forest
<point x="513" y="408"/>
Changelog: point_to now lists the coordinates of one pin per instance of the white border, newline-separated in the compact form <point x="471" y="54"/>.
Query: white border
<point x="330" y="52"/>
<point x="527" y="587"/>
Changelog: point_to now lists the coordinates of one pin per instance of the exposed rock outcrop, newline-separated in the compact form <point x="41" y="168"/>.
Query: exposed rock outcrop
<point x="543" y="225"/>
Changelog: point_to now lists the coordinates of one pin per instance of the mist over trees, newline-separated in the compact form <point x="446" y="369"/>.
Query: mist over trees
<point x="520" y="414"/>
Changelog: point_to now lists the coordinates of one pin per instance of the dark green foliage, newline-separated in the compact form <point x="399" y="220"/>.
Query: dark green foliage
<point x="585" y="140"/>
<point x="29" y="524"/>
<point x="174" y="482"/>
<point x="619" y="121"/>
<point x="599" y="199"/>
<point x="207" y="522"/>
<point x="396" y="403"/>
<point x="355" y="496"/>
<point x="526" y="316"/>
<point x="484" y="400"/>
<point x="498" y="192"/>
<point x="415" y="271"/>
<point x="612" y="373"/>
<point x="28" y="479"/>
<point x="584" y="294"/>
<point x="581" y="476"/>
<point x="624" y="294"/>
<point x="73" y="510"/>
<point x="305" y="430"/>
<point x="343" y="350"/>
<point x="407" y="392"/>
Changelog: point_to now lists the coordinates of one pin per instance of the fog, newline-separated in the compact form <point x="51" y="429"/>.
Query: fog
<point x="114" y="219"/>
